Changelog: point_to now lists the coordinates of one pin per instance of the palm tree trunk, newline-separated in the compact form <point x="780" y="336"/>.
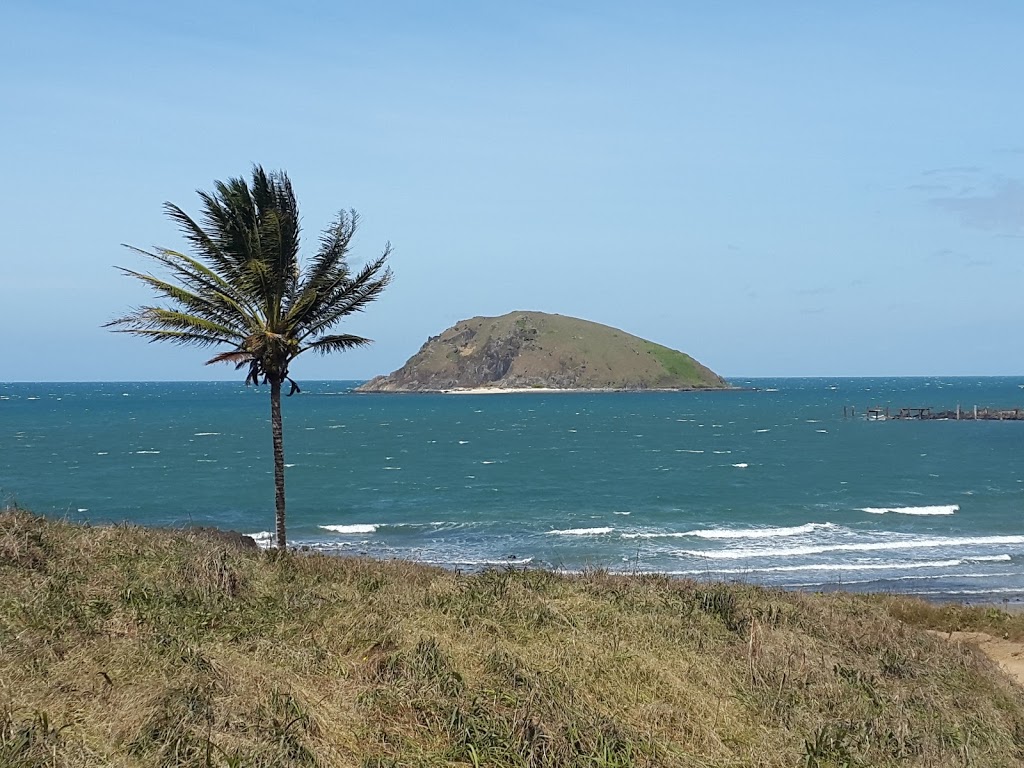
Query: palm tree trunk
<point x="275" y="426"/>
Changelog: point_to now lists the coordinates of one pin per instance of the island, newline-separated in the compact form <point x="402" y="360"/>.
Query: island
<point x="536" y="351"/>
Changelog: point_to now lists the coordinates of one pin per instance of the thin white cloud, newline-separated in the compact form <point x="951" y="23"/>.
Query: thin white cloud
<point x="999" y="208"/>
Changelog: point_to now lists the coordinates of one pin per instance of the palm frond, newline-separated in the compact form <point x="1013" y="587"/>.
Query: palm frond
<point x="337" y="343"/>
<point x="277" y="225"/>
<point x="329" y="262"/>
<point x="207" y="307"/>
<point x="201" y="278"/>
<point x="346" y="298"/>
<point x="175" y="337"/>
<point x="239" y="357"/>
<point x="152" y="321"/>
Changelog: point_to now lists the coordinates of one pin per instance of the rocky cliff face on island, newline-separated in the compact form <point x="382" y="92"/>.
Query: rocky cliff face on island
<point x="537" y="350"/>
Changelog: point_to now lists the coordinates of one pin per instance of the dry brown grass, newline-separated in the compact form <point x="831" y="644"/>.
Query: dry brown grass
<point x="129" y="647"/>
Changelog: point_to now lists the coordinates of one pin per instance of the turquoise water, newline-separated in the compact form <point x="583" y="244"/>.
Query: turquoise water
<point x="772" y="486"/>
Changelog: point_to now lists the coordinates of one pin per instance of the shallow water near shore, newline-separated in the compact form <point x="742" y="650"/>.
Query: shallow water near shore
<point x="772" y="486"/>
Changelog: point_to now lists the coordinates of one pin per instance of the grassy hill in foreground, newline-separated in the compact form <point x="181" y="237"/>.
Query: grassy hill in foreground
<point x="130" y="647"/>
<point x="535" y="349"/>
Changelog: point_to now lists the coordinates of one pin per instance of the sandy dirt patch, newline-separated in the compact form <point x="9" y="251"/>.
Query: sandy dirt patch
<point x="1008" y="654"/>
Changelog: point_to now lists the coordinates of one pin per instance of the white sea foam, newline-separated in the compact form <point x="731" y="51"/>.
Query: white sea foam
<point x="289" y="465"/>
<point x="488" y="462"/>
<point x="762" y="430"/>
<point x="741" y="465"/>
<point x="264" y="539"/>
<point x="948" y="509"/>
<point x="205" y="434"/>
<point x="767" y="532"/>
<point x="507" y="561"/>
<point x="463" y="442"/>
<point x="688" y="450"/>
<point x="582" y="531"/>
<point x="832" y="567"/>
<point x="622" y="513"/>
<point x="863" y="546"/>
<point x="348" y="529"/>
<point x="149" y="452"/>
<point x="83" y="509"/>
<point x="886" y="579"/>
<point x="1007" y="591"/>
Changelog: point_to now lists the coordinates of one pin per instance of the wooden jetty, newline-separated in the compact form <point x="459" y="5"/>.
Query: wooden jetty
<point x="878" y="413"/>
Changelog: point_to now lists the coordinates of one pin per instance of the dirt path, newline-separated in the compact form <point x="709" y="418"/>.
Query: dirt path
<point x="1008" y="654"/>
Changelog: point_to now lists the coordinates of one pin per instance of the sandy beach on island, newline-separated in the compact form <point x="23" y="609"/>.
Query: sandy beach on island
<point x="519" y="390"/>
<point x="553" y="390"/>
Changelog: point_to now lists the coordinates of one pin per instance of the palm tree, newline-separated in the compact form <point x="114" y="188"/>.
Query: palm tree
<point x="246" y="288"/>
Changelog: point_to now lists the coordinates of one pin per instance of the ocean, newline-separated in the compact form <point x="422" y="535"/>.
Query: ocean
<point x="772" y="485"/>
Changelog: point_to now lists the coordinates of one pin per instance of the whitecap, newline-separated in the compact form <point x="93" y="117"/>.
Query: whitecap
<point x="762" y="430"/>
<point x="622" y="513"/>
<point x="350" y="529"/>
<point x="205" y="434"/>
<point x="83" y="509"/>
<point x="263" y="539"/>
<point x="947" y="509"/>
<point x="890" y="566"/>
<point x="767" y="532"/>
<point x="1007" y="591"/>
<point x="741" y="465"/>
<point x="582" y="531"/>
<point x="289" y="465"/>
<point x="864" y="546"/>
<point x="689" y="450"/>
<point x="147" y="452"/>
<point x="470" y="562"/>
<point x="463" y="442"/>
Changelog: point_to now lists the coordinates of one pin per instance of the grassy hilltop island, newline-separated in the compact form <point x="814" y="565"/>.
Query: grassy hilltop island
<point x="536" y="350"/>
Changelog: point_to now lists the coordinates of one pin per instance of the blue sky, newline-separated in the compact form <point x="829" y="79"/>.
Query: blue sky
<point x="792" y="188"/>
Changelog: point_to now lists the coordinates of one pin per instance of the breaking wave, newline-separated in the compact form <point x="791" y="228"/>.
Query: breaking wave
<point x="947" y="509"/>
<point x="348" y="529"/>
<point x="581" y="531"/>
<point x="738" y="533"/>
<point x="865" y="546"/>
